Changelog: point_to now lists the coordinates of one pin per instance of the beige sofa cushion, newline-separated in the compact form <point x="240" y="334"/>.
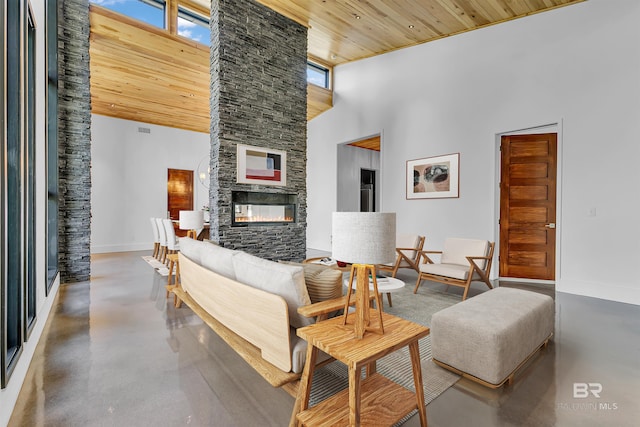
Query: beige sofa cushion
<point x="192" y="249"/>
<point x="448" y="270"/>
<point x="456" y="250"/>
<point x="299" y="352"/>
<point x="277" y="278"/>
<point x="218" y="259"/>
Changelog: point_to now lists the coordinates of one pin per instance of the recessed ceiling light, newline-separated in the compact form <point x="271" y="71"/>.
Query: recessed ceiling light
<point x="356" y="16"/>
<point x="411" y="27"/>
<point x="334" y="56"/>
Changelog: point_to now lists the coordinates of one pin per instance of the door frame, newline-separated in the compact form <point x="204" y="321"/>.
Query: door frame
<point x="379" y="171"/>
<point x="552" y="127"/>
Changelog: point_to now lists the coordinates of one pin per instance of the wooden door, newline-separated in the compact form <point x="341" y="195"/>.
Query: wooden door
<point x="179" y="192"/>
<point x="528" y="206"/>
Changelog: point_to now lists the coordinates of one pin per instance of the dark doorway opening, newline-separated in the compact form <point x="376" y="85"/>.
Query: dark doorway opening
<point x="367" y="190"/>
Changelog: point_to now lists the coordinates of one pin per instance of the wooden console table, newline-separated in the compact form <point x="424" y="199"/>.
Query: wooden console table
<point x="374" y="400"/>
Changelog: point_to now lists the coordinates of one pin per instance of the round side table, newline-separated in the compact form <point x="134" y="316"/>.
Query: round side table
<point x="331" y="264"/>
<point x="386" y="285"/>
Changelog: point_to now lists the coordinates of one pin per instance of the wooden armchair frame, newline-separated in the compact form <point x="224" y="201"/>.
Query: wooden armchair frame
<point x="403" y="258"/>
<point x="466" y="284"/>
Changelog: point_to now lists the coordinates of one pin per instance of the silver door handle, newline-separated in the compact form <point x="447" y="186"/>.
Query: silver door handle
<point x="550" y="225"/>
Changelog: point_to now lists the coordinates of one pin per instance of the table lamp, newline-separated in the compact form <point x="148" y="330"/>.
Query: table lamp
<point x="363" y="239"/>
<point x="191" y="221"/>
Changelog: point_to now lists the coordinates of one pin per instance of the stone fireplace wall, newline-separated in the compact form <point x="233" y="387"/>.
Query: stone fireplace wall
<point x="258" y="98"/>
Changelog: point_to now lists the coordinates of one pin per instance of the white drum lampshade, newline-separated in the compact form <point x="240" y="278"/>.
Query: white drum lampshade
<point x="364" y="237"/>
<point x="192" y="221"/>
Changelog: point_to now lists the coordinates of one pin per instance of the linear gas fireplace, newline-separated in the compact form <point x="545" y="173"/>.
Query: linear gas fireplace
<point x="253" y="208"/>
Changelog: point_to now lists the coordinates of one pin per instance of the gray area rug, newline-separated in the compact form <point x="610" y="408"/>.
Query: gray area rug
<point x="418" y="308"/>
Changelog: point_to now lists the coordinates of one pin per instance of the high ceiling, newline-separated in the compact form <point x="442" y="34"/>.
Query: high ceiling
<point x="346" y="30"/>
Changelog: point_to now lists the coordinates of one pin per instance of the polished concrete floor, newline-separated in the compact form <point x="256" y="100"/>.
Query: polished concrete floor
<point x="116" y="353"/>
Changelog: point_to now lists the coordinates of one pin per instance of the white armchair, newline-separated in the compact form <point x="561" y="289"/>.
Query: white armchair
<point x="408" y="247"/>
<point x="462" y="261"/>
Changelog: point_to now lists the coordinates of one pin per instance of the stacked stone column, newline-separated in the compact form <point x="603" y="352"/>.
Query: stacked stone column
<point x="258" y="98"/>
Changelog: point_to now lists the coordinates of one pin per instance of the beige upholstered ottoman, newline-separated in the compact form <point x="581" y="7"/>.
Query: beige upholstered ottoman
<point x="488" y="337"/>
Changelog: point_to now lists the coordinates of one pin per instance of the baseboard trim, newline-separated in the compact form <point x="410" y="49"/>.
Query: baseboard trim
<point x="132" y="247"/>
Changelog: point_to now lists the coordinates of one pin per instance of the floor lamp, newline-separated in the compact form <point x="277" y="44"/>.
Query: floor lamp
<point x="363" y="239"/>
<point x="191" y="221"/>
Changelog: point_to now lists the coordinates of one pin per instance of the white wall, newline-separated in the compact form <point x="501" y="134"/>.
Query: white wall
<point x="576" y="67"/>
<point x="129" y="179"/>
<point x="9" y="395"/>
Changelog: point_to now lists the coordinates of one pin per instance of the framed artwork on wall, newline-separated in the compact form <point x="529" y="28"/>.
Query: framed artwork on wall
<point x="433" y="177"/>
<point x="257" y="165"/>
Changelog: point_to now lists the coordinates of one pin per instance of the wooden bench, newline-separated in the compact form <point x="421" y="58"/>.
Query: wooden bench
<point x="250" y="353"/>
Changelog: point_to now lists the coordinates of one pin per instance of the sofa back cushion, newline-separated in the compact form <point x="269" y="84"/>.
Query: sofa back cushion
<point x="280" y="279"/>
<point x="192" y="249"/>
<point x="456" y="250"/>
<point x="219" y="259"/>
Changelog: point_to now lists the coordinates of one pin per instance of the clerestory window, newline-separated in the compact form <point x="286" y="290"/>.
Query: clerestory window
<point x="191" y="23"/>
<point x="318" y="75"/>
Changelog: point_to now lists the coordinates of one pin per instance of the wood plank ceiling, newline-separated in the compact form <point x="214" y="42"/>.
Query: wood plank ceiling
<point x="147" y="74"/>
<point x="372" y="143"/>
<point x="347" y="30"/>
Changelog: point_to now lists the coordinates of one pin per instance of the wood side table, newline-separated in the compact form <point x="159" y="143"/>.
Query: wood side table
<point x="374" y="400"/>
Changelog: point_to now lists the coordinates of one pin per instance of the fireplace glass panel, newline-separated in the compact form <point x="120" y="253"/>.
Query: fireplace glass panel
<point x="250" y="208"/>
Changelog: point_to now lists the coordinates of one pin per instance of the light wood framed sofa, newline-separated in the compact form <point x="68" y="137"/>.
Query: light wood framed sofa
<point x="252" y="304"/>
<point x="462" y="261"/>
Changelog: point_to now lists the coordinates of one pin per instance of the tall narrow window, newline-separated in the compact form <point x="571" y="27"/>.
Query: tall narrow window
<point x="3" y="186"/>
<point x="52" y="140"/>
<point x="30" y="171"/>
<point x="13" y="192"/>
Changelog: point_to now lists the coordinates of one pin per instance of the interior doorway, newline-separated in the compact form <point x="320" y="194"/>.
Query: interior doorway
<point x="528" y="182"/>
<point x="179" y="192"/>
<point x="358" y="175"/>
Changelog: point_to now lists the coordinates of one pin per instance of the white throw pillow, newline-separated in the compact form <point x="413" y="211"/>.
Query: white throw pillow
<point x="279" y="279"/>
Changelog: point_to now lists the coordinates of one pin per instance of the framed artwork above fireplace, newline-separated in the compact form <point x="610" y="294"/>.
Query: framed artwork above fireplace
<point x="257" y="165"/>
